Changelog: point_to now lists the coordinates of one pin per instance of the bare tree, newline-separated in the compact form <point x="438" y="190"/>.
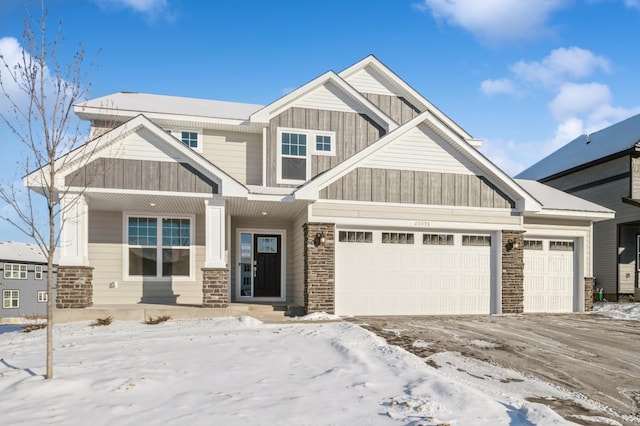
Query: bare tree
<point x="40" y="91"/>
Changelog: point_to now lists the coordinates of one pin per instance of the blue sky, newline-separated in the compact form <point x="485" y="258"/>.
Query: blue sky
<point x="525" y="76"/>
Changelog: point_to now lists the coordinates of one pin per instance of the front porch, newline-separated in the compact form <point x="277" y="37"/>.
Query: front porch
<point x="266" y="312"/>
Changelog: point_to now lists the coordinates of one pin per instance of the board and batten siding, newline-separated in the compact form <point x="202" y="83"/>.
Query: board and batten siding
<point x="118" y="173"/>
<point x="105" y="256"/>
<point x="237" y="154"/>
<point x="416" y="187"/>
<point x="353" y="131"/>
<point x="635" y="178"/>
<point x="396" y="107"/>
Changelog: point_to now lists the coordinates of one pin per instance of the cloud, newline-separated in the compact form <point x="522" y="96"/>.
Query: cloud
<point x="578" y="99"/>
<point x="151" y="9"/>
<point x="634" y="4"/>
<point x="560" y="65"/>
<point x="11" y="54"/>
<point x="499" y="86"/>
<point x="495" y="21"/>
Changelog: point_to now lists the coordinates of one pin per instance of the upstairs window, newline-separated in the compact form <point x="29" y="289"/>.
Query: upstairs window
<point x="295" y="148"/>
<point x="190" y="139"/>
<point x="15" y="271"/>
<point x="37" y="272"/>
<point x="324" y="144"/>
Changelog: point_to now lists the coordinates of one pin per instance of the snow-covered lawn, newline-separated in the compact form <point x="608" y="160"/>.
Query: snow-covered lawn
<point x="236" y="371"/>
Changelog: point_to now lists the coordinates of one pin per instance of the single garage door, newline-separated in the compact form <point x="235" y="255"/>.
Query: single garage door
<point x="549" y="275"/>
<point x="383" y="272"/>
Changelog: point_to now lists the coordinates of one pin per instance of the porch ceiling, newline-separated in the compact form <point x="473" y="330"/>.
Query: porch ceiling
<point x="157" y="202"/>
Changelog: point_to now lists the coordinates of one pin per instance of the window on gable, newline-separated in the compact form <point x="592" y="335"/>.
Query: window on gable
<point x="15" y="271"/>
<point x="10" y="299"/>
<point x="294" y="156"/>
<point x="190" y="139"/>
<point x="324" y="144"/>
<point x="160" y="251"/>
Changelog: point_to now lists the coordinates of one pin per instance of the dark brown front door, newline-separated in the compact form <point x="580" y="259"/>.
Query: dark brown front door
<point x="267" y="258"/>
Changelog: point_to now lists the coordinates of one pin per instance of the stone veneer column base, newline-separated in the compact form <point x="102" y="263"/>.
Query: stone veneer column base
<point x="588" y="293"/>
<point x="513" y="273"/>
<point x="319" y="268"/>
<point x="74" y="287"/>
<point x="215" y="287"/>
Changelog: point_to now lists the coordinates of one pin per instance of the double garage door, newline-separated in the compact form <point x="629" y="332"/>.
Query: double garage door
<point x="381" y="272"/>
<point x="412" y="273"/>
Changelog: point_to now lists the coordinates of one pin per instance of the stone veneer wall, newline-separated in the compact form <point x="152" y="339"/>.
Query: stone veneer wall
<point x="319" y="268"/>
<point x="588" y="294"/>
<point x="74" y="287"/>
<point x="513" y="273"/>
<point x="215" y="287"/>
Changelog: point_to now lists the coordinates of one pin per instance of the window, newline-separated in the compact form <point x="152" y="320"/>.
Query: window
<point x="355" y="237"/>
<point x="533" y="244"/>
<point x="561" y="245"/>
<point x="397" y="238"/>
<point x="476" y="240"/>
<point x="43" y="296"/>
<point x="190" y="139"/>
<point x="437" y="239"/>
<point x="294" y="156"/>
<point x="15" y="271"/>
<point x="10" y="299"/>
<point x="159" y="247"/>
<point x="37" y="272"/>
<point x="295" y="148"/>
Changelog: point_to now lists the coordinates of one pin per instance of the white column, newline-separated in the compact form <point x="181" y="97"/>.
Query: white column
<point x="74" y="226"/>
<point x="215" y="231"/>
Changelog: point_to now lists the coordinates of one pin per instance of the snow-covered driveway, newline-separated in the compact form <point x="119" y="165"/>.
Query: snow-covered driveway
<point x="589" y="355"/>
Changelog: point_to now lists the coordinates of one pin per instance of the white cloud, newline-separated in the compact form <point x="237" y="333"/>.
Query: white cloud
<point x="496" y="20"/>
<point x="11" y="52"/>
<point x="561" y="64"/>
<point x="634" y="4"/>
<point x="152" y="9"/>
<point x="499" y="86"/>
<point x="578" y="99"/>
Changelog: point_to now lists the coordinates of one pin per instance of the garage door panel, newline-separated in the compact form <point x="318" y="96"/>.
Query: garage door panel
<point x="549" y="279"/>
<point x="412" y="279"/>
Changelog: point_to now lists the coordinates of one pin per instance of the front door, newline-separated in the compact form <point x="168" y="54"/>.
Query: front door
<point x="267" y="274"/>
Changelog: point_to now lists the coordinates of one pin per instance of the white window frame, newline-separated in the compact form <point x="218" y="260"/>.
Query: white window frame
<point x="177" y="133"/>
<point x="37" y="272"/>
<point x="159" y="246"/>
<point x="311" y="150"/>
<point x="43" y="296"/>
<point x="19" y="269"/>
<point x="10" y="296"/>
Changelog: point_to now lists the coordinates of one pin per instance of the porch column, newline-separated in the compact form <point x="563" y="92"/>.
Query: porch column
<point x="74" y="286"/>
<point x="215" y="273"/>
<point x="319" y="267"/>
<point x="512" y="272"/>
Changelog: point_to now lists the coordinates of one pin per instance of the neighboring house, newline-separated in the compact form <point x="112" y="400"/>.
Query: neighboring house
<point x="604" y="167"/>
<point x="24" y="280"/>
<point x="352" y="194"/>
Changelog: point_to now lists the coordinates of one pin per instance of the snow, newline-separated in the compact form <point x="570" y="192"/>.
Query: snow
<point x="242" y="371"/>
<point x="627" y="311"/>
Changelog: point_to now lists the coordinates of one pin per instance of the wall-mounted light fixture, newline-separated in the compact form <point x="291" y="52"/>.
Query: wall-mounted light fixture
<point x="319" y="239"/>
<point x="511" y="244"/>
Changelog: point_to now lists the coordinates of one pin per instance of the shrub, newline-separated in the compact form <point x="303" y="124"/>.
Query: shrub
<point x="157" y="320"/>
<point x="103" y="321"/>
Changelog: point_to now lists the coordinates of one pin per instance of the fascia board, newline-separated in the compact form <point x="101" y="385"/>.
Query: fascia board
<point x="574" y="214"/>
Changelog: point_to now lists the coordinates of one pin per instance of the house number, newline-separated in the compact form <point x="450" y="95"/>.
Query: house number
<point x="420" y="223"/>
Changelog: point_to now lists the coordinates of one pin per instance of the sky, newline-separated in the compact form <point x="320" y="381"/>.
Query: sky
<point x="237" y="371"/>
<point x="524" y="76"/>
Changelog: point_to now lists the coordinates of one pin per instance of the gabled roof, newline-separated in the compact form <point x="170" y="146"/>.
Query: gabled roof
<point x="559" y="203"/>
<point x="329" y="77"/>
<point x="23" y="253"/>
<point x="526" y="202"/>
<point x="381" y="70"/>
<point x="77" y="158"/>
<point x="586" y="149"/>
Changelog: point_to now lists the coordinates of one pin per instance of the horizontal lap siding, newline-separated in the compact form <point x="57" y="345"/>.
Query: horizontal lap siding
<point x="353" y="131"/>
<point x="414" y="187"/>
<point x="605" y="170"/>
<point x="237" y="154"/>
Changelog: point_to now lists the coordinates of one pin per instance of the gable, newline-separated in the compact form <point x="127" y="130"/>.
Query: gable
<point x="328" y="97"/>
<point x="368" y="81"/>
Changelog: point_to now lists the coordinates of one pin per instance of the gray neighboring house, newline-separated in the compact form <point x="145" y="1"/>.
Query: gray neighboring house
<point x="604" y="167"/>
<point x="24" y="280"/>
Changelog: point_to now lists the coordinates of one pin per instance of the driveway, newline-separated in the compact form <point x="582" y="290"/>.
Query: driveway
<point x="591" y="355"/>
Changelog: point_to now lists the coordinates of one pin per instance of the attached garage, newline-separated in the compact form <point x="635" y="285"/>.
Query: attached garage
<point x="549" y="275"/>
<point x="387" y="272"/>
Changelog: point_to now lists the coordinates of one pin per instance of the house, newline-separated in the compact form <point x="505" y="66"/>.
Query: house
<point x="604" y="167"/>
<point x="24" y="280"/>
<point x="352" y="194"/>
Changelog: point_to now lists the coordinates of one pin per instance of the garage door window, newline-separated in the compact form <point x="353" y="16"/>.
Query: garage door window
<point x="533" y="244"/>
<point x="397" y="238"/>
<point x="437" y="239"/>
<point x="476" y="240"/>
<point x="355" y="237"/>
<point x="561" y="245"/>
